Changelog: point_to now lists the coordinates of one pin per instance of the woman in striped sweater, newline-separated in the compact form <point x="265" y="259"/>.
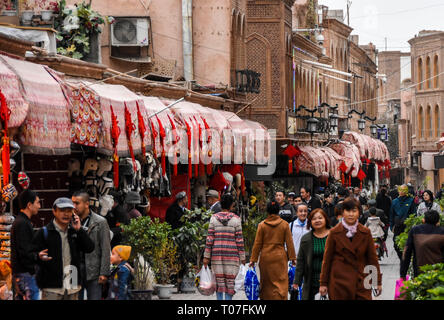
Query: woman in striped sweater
<point x="225" y="248"/>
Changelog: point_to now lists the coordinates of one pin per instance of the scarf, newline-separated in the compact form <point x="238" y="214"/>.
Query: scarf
<point x="302" y="224"/>
<point x="351" y="229"/>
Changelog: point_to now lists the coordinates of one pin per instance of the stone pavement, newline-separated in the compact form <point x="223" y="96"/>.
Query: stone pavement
<point x="389" y="268"/>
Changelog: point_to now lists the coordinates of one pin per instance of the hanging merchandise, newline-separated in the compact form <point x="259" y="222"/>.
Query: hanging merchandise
<point x="199" y="146"/>
<point x="291" y="152"/>
<point x="9" y="192"/>
<point x="23" y="180"/>
<point x="115" y="133"/>
<point x="210" y="153"/>
<point x="175" y="141"/>
<point x="361" y="177"/>
<point x="190" y="169"/>
<point x="5" y="113"/>
<point x="196" y="148"/>
<point x="162" y="136"/>
<point x="388" y="166"/>
<point x="129" y="129"/>
<point x="142" y="129"/>
<point x="218" y="181"/>
<point x="153" y="137"/>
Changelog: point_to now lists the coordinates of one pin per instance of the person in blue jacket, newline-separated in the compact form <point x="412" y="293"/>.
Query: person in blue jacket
<point x="121" y="276"/>
<point x="402" y="207"/>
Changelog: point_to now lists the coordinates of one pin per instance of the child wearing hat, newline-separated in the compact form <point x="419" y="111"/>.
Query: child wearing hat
<point x="121" y="276"/>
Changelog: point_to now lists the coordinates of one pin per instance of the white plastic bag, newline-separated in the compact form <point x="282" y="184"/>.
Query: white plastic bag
<point x="240" y="278"/>
<point x="206" y="281"/>
<point x="319" y="297"/>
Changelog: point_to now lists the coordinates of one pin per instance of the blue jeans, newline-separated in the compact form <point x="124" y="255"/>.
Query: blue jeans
<point x="93" y="290"/>
<point x="220" y="296"/>
<point x="25" y="287"/>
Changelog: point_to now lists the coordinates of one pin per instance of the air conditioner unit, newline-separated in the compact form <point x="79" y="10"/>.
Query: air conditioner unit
<point x="130" y="32"/>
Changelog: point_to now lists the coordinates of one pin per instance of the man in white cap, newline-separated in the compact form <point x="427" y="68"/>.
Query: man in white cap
<point x="213" y="201"/>
<point x="176" y="210"/>
<point x="58" y="246"/>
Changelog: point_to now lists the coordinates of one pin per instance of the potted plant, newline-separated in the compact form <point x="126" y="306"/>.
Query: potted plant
<point x="28" y="13"/>
<point x="190" y="239"/>
<point x="48" y="11"/>
<point x="9" y="9"/>
<point x="151" y="246"/>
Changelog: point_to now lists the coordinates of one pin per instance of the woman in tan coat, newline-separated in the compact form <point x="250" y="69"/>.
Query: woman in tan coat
<point x="272" y="235"/>
<point x="350" y="267"/>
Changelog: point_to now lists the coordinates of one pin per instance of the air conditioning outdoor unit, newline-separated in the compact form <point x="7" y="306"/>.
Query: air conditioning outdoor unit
<point x="130" y="32"/>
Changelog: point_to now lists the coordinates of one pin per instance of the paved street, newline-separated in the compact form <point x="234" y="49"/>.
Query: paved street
<point x="389" y="268"/>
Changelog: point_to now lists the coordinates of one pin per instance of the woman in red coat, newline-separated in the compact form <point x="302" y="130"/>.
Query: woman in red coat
<point x="350" y="267"/>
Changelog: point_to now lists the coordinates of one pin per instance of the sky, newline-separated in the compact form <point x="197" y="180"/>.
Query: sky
<point x="396" y="20"/>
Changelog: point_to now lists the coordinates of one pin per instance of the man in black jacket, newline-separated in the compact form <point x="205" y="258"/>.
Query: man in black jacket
<point x="287" y="210"/>
<point x="60" y="245"/>
<point x="329" y="207"/>
<point x="425" y="242"/>
<point x="176" y="210"/>
<point x="23" y="260"/>
<point x="312" y="201"/>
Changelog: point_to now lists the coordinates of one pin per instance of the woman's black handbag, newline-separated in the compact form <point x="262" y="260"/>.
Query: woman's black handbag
<point x="294" y="294"/>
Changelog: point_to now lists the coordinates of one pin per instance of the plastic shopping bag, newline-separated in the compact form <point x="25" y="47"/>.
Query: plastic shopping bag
<point x="240" y="278"/>
<point x="291" y="274"/>
<point x="252" y="284"/>
<point x="206" y="281"/>
<point x="399" y="284"/>
<point x="319" y="297"/>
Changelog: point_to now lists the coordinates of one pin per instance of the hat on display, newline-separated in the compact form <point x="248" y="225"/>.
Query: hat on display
<point x="9" y="192"/>
<point x="105" y="165"/>
<point x="132" y="197"/>
<point x="63" y="203"/>
<point x="213" y="193"/>
<point x="181" y="195"/>
<point x="90" y="165"/>
<point x="23" y="180"/>
<point x="144" y="202"/>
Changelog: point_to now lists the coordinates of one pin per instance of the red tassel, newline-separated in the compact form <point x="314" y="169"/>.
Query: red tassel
<point x="349" y="180"/>
<point x="243" y="188"/>
<point x="5" y="159"/>
<point x="190" y="168"/>
<point x="116" y="170"/>
<point x="175" y="165"/>
<point x="290" y="166"/>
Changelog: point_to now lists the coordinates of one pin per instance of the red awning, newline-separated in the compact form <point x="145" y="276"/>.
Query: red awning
<point x="350" y="154"/>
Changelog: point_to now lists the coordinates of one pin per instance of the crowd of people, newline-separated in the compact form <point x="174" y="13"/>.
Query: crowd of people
<point x="330" y="239"/>
<point x="77" y="255"/>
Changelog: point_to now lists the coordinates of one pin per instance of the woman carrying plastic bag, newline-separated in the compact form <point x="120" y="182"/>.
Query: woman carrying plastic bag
<point x="240" y="278"/>
<point x="206" y="281"/>
<point x="252" y="285"/>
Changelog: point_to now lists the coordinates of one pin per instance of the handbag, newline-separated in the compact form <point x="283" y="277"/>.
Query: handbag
<point x="294" y="294"/>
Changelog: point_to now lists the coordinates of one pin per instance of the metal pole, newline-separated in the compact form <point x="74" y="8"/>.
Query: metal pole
<point x="166" y="108"/>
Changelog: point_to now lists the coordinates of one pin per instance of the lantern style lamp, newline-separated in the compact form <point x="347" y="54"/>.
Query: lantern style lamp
<point x="312" y="125"/>
<point x="373" y="129"/>
<point x="361" y="124"/>
<point x="334" y="120"/>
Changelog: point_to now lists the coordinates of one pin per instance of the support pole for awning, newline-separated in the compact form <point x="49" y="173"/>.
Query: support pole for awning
<point x="167" y="107"/>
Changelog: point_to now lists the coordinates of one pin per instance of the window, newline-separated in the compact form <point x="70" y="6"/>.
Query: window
<point x="436" y="127"/>
<point x="436" y="72"/>
<point x="428" y="122"/>
<point x="420" y="122"/>
<point x="420" y="74"/>
<point x="428" y="73"/>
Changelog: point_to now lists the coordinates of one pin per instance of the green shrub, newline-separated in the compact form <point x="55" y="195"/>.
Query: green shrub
<point x="429" y="285"/>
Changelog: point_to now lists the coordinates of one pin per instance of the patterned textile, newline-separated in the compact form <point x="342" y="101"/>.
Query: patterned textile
<point x="318" y="256"/>
<point x="10" y="87"/>
<point x="225" y="248"/>
<point x="117" y="96"/>
<point x="46" y="129"/>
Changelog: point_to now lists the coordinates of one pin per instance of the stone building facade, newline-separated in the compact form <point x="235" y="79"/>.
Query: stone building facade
<point x="427" y="111"/>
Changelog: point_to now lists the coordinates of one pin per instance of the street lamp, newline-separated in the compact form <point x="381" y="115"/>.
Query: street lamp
<point x="361" y="124"/>
<point x="373" y="129"/>
<point x="312" y="125"/>
<point x="334" y="120"/>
